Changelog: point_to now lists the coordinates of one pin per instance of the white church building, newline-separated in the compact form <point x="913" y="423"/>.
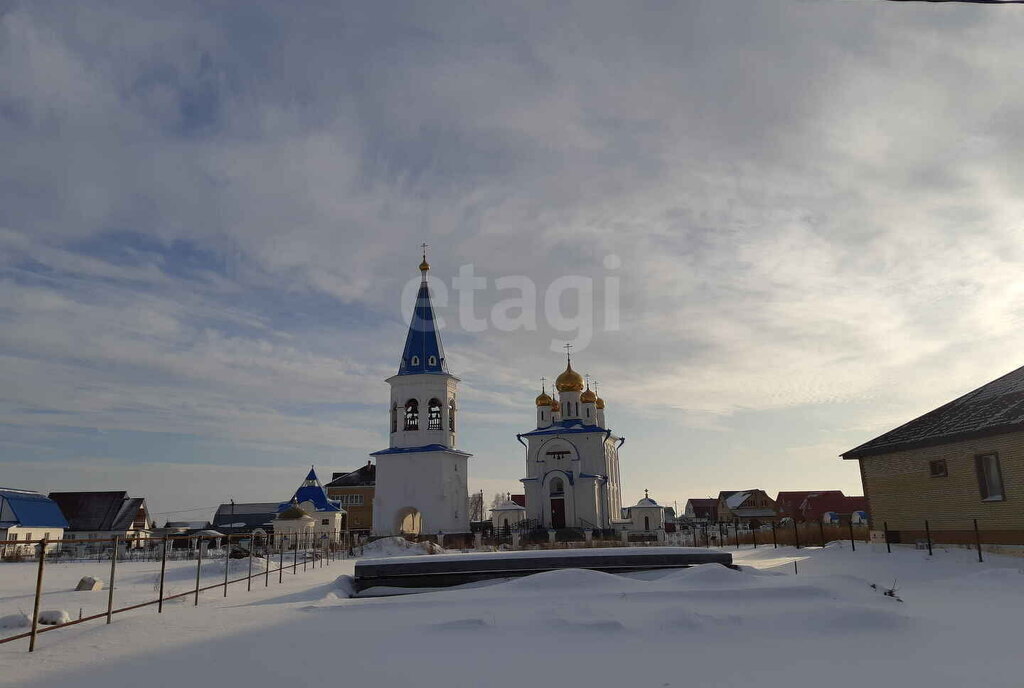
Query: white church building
<point x="422" y="482"/>
<point x="572" y="460"/>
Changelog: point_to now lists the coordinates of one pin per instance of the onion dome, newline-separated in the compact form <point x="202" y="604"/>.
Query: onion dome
<point x="555" y="406"/>
<point x="543" y="399"/>
<point x="424" y="266"/>
<point x="569" y="380"/>
<point x="588" y="397"/>
<point x="600" y="403"/>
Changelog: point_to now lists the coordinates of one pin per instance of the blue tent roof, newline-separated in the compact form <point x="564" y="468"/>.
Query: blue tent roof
<point x="423" y="351"/>
<point x="313" y="491"/>
<point x="30" y="509"/>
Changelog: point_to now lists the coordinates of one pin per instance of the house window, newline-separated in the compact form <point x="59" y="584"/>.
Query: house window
<point x="434" y="415"/>
<point x="394" y="417"/>
<point x="412" y="415"/>
<point x="990" y="477"/>
<point x="937" y="468"/>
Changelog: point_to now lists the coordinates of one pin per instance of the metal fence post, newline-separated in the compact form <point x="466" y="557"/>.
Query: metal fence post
<point x="977" y="540"/>
<point x="163" y="570"/>
<point x="39" y="595"/>
<point x="295" y="559"/>
<point x="885" y="533"/>
<point x="199" y="567"/>
<point x="775" y="538"/>
<point x="928" y="534"/>
<point x="280" y="565"/>
<point x="736" y="531"/>
<point x="110" y="592"/>
<point x="796" y="534"/>
<point x="821" y="529"/>
<point x="248" y="581"/>
<point x="227" y="560"/>
<point x="853" y="544"/>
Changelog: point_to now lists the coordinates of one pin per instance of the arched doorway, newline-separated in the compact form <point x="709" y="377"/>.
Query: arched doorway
<point x="557" y="497"/>
<point x="408" y="521"/>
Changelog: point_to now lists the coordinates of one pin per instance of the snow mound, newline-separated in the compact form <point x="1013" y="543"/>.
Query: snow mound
<point x="573" y="578"/>
<point x="399" y="547"/>
<point x="346" y="586"/>
<point x="705" y="574"/>
<point x="54" y="617"/>
<point x="19" y="620"/>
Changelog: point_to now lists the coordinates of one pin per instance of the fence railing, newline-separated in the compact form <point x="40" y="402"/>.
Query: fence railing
<point x="307" y="549"/>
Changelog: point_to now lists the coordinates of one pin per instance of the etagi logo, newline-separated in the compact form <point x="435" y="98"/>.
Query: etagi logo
<point x="566" y="306"/>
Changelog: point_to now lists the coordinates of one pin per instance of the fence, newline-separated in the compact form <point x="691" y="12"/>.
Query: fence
<point x="307" y="549"/>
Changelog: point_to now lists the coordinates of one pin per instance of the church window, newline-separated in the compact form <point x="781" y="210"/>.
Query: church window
<point x="647" y="522"/>
<point x="451" y="416"/>
<point x="561" y="454"/>
<point x="432" y="360"/>
<point x="415" y="361"/>
<point x="557" y="487"/>
<point x="325" y="522"/>
<point x="394" y="417"/>
<point x="412" y="415"/>
<point x="434" y="415"/>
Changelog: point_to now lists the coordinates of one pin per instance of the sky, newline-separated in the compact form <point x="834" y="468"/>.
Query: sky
<point x="773" y="230"/>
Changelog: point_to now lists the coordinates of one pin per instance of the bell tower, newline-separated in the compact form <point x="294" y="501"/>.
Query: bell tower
<point x="421" y="477"/>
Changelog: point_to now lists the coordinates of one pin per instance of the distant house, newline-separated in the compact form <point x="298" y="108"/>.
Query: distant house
<point x="788" y="503"/>
<point x="355" y="491"/>
<point x="752" y="508"/>
<point x="28" y="516"/>
<point x="105" y="515"/>
<point x="245" y="517"/>
<point x="960" y="462"/>
<point x="701" y="510"/>
<point x="832" y="508"/>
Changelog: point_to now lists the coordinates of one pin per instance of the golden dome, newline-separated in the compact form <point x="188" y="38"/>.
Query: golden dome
<point x="569" y="381"/>
<point x="600" y="403"/>
<point x="555" y="407"/>
<point x="588" y="397"/>
<point x="424" y="266"/>
<point x="543" y="399"/>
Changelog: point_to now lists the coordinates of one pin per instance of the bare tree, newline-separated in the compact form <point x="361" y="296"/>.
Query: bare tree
<point x="476" y="506"/>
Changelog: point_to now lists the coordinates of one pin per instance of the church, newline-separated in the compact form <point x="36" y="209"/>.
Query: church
<point x="422" y="482"/>
<point x="572" y="459"/>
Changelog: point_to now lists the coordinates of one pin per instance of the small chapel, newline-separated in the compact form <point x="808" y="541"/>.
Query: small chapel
<point x="572" y="459"/>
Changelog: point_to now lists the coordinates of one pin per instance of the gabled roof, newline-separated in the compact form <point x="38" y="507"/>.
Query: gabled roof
<point x="98" y="510"/>
<point x="790" y="501"/>
<point x="992" y="409"/>
<point x="423" y="342"/>
<point x="31" y="509"/>
<point x="253" y="515"/>
<point x="365" y="476"/>
<point x="312" y="491"/>
<point x="816" y="506"/>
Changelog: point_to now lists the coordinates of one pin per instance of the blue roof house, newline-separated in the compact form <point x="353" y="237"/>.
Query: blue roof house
<point x="28" y="516"/>
<point x="311" y="519"/>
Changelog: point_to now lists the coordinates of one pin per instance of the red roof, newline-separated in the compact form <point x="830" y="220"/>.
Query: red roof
<point x="519" y="499"/>
<point x="817" y="505"/>
<point x="789" y="502"/>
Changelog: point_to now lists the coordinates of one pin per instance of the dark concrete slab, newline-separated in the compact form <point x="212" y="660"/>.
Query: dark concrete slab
<point x="443" y="570"/>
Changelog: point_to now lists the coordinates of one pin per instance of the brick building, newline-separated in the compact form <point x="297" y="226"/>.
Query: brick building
<point x="355" y="491"/>
<point x="960" y="462"/>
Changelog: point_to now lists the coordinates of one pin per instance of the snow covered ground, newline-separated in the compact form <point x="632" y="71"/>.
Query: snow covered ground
<point x="958" y="625"/>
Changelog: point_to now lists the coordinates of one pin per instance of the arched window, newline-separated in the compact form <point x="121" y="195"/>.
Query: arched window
<point x="412" y="415"/>
<point x="557" y="487"/>
<point x="394" y="417"/>
<point x="647" y="522"/>
<point x="451" y="416"/>
<point x="432" y="361"/>
<point x="433" y="415"/>
<point x="415" y="361"/>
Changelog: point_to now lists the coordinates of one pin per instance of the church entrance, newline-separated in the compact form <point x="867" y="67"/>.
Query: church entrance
<point x="558" y="512"/>
<point x="408" y="521"/>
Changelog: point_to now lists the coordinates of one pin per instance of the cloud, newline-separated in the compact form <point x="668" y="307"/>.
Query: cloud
<point x="208" y="214"/>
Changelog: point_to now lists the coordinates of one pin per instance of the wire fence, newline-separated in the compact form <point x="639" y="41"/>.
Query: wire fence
<point x="254" y="553"/>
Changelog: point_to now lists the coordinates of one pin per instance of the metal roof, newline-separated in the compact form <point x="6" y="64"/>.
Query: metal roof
<point x="27" y="508"/>
<point x="992" y="409"/>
